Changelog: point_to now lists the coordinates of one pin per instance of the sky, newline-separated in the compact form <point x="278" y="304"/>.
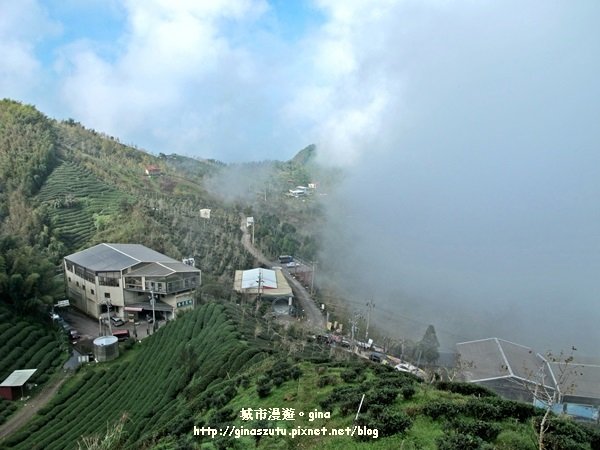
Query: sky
<point x="468" y="130"/>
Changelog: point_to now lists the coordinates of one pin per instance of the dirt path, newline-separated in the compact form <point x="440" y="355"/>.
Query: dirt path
<point x="314" y="318"/>
<point x="26" y="412"/>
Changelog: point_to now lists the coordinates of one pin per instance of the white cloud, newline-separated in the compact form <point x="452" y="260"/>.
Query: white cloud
<point x="171" y="80"/>
<point x="23" y="25"/>
<point x="351" y="89"/>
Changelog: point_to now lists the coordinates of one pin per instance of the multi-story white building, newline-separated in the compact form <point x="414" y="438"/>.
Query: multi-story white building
<point x="123" y="278"/>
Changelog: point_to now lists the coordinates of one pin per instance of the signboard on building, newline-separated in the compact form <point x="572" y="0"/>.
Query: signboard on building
<point x="249" y="221"/>
<point x="183" y="303"/>
<point x="62" y="303"/>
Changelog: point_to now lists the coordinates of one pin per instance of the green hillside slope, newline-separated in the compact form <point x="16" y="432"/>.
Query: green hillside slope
<point x="27" y="344"/>
<point x="220" y="366"/>
<point x="78" y="204"/>
<point x="147" y="388"/>
<point x="228" y="377"/>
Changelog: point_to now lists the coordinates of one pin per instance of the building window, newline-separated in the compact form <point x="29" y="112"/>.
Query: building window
<point x="107" y="295"/>
<point x="109" y="278"/>
<point x="79" y="271"/>
<point x="77" y="283"/>
<point x="69" y="279"/>
<point x="92" y="291"/>
<point x="90" y="276"/>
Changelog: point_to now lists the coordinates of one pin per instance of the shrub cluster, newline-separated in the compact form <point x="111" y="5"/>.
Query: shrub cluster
<point x="263" y="386"/>
<point x="408" y="392"/>
<point x="458" y="441"/>
<point x="386" y="420"/>
<point x="353" y="374"/>
<point x="281" y="372"/>
<point x="465" y="388"/>
<point x="487" y="431"/>
<point x="514" y="409"/>
<point x="327" y="380"/>
<point x="564" y="434"/>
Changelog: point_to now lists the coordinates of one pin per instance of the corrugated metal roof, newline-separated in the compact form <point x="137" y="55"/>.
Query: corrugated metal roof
<point x="483" y="359"/>
<point x="527" y="363"/>
<point x="18" y="378"/>
<point x="150" y="270"/>
<point x="107" y="257"/>
<point x="180" y="267"/>
<point x="281" y="289"/>
<point x="250" y="279"/>
<point x="496" y="358"/>
<point x="581" y="380"/>
<point x="162" y="269"/>
<point x="141" y="253"/>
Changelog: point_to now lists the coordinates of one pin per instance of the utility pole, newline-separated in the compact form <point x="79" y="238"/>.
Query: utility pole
<point x="354" y="329"/>
<point x="108" y="315"/>
<point x="312" y="278"/>
<point x="250" y="221"/>
<point x="152" y="302"/>
<point x="370" y="306"/>
<point x="260" y="282"/>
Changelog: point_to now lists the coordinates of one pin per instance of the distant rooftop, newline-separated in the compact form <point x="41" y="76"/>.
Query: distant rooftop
<point x="117" y="257"/>
<point x="273" y="282"/>
<point x="581" y="380"/>
<point x="494" y="358"/>
<point x="251" y="277"/>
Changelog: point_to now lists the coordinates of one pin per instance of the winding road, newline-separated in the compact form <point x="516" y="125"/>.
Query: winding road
<point x="314" y="319"/>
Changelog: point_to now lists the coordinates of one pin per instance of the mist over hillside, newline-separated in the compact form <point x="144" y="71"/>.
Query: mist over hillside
<point x="471" y="174"/>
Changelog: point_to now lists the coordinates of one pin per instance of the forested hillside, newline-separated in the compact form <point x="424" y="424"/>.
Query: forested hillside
<point x="64" y="187"/>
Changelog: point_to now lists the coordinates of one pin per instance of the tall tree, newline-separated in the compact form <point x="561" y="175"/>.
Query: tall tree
<point x="429" y="345"/>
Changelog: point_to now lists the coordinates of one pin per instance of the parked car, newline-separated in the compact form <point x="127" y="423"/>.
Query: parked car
<point x="121" y="335"/>
<point x="73" y="334"/>
<point x="116" y="321"/>
<point x="377" y="357"/>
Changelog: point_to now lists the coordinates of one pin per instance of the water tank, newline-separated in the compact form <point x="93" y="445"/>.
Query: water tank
<point x="106" y="348"/>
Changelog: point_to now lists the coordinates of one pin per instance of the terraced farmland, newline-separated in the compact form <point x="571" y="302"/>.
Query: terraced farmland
<point x="79" y="203"/>
<point x="27" y="345"/>
<point x="146" y="388"/>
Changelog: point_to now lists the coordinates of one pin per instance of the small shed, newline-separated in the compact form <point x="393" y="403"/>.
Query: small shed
<point x="12" y="387"/>
<point x="153" y="171"/>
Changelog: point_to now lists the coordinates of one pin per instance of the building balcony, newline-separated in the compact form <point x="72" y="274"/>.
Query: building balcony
<point x="172" y="287"/>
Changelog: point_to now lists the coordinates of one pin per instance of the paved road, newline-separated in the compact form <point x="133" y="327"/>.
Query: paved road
<point x="314" y="318"/>
<point x="89" y="328"/>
